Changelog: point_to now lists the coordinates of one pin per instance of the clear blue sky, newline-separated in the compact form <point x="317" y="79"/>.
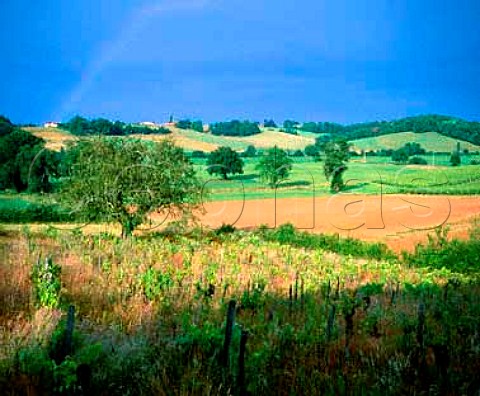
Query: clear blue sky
<point x="336" y="60"/>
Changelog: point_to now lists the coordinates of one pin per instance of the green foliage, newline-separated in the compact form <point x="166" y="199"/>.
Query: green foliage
<point x="449" y="126"/>
<point x="154" y="282"/>
<point x="322" y="127"/>
<point x="18" y="213"/>
<point x="187" y="124"/>
<point x="312" y="150"/>
<point x="125" y="180"/>
<point x="81" y="126"/>
<point x="336" y="155"/>
<point x="400" y="156"/>
<point x="46" y="283"/>
<point x="224" y="161"/>
<point x="269" y="124"/>
<point x="199" y="154"/>
<point x="290" y="126"/>
<point x="441" y="253"/>
<point x="286" y="234"/>
<point x="455" y="159"/>
<point x="6" y="126"/>
<point x="249" y="152"/>
<point x="235" y="128"/>
<point x="25" y="164"/>
<point x="417" y="161"/>
<point x="274" y="166"/>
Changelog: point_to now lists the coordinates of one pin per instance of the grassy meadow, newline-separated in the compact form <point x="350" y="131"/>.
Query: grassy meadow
<point x="374" y="176"/>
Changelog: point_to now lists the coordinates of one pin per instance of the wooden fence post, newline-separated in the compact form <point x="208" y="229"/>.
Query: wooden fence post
<point x="228" y="332"/>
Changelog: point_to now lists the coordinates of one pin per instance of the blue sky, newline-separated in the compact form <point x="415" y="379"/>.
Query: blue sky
<point x="343" y="60"/>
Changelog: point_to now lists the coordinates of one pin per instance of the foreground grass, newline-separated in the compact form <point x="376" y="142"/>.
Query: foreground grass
<point x="151" y="318"/>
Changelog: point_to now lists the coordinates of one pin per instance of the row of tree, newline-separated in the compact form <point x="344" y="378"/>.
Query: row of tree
<point x="196" y="125"/>
<point x="81" y="126"/>
<point x="235" y="128"/>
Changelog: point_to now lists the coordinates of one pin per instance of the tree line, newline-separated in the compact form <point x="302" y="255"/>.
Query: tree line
<point x="453" y="127"/>
<point x="449" y="126"/>
<point x="81" y="126"/>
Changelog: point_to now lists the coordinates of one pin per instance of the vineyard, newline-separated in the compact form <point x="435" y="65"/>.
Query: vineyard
<point x="233" y="312"/>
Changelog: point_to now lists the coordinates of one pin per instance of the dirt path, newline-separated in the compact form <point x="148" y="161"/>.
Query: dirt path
<point x="400" y="221"/>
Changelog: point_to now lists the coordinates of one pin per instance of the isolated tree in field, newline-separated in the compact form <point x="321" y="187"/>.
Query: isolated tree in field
<point x="400" y="156"/>
<point x="274" y="166"/>
<point x="250" y="151"/>
<point x="455" y="159"/>
<point x="224" y="161"/>
<point x="124" y="181"/>
<point x="336" y="156"/>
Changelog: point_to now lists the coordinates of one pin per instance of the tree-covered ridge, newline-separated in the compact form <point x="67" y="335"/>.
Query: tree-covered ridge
<point x="235" y="128"/>
<point x="453" y="127"/>
<point x="81" y="126"/>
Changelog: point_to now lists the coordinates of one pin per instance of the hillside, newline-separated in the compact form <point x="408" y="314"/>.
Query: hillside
<point x="191" y="140"/>
<point x="430" y="141"/>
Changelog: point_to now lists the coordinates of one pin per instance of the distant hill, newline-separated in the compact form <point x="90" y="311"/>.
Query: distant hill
<point x="192" y="140"/>
<point x="447" y="126"/>
<point x="430" y="141"/>
<point x="432" y="132"/>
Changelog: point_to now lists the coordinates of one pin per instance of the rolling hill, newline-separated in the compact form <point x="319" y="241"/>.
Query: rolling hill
<point x="430" y="141"/>
<point x="191" y="140"/>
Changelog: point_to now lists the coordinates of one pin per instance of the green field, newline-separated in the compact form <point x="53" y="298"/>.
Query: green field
<point x="364" y="178"/>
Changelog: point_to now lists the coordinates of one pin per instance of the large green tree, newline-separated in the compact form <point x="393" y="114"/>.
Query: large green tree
<point x="224" y="161"/>
<point x="25" y="163"/>
<point x="274" y="166"/>
<point x="336" y="156"/>
<point x="125" y="180"/>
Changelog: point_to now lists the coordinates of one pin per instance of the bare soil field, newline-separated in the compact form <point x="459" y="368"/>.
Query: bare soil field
<point x="400" y="221"/>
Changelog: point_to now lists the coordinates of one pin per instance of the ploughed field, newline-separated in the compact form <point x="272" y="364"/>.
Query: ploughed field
<point x="400" y="221"/>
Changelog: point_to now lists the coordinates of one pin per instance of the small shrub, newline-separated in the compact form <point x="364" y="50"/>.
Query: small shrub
<point x="417" y="161"/>
<point x="46" y="283"/>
